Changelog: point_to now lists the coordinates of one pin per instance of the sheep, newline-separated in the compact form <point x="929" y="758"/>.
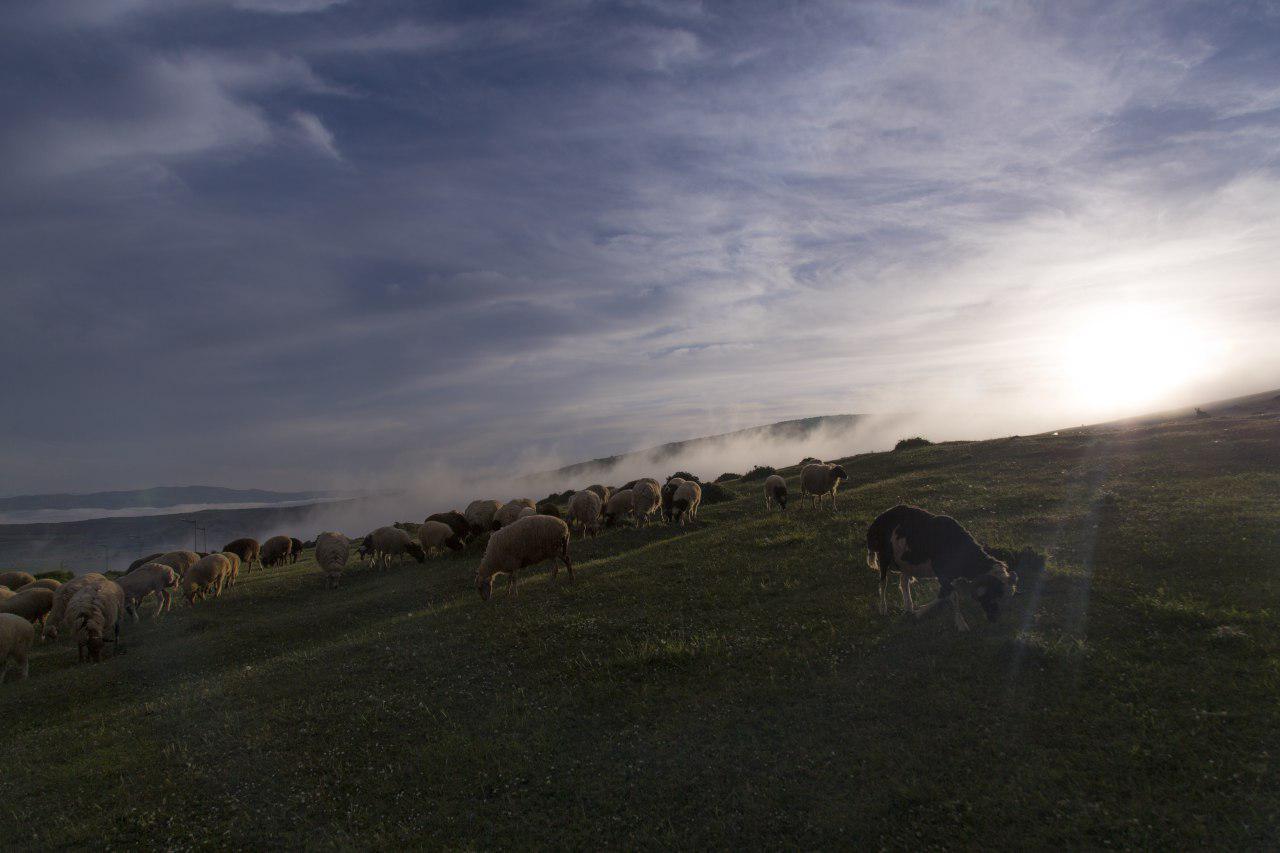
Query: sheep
<point x="31" y="604"/>
<point x="646" y="499"/>
<point x="436" y="535"/>
<point x="821" y="479"/>
<point x="275" y="551"/>
<point x="669" y="494"/>
<point x="248" y="550"/>
<point x="17" y="635"/>
<point x="142" y="561"/>
<point x="457" y="523"/>
<point x="5" y="592"/>
<point x="43" y="583"/>
<point x="95" y="613"/>
<point x="511" y="511"/>
<point x="62" y="598"/>
<point x="480" y="515"/>
<point x="584" y="511"/>
<point x="332" y="551"/>
<point x="525" y="542"/>
<point x="144" y="580"/>
<point x="617" y="507"/>
<point x="388" y="542"/>
<point x="526" y="511"/>
<point x="602" y="492"/>
<point x="210" y="573"/>
<point x="775" y="491"/>
<point x="548" y="508"/>
<point x="16" y="580"/>
<point x="295" y="549"/>
<point x="685" y="502"/>
<point x="180" y="561"/>
<point x="233" y="573"/>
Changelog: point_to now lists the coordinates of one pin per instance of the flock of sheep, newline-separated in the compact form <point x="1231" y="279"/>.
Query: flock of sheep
<point x="520" y="533"/>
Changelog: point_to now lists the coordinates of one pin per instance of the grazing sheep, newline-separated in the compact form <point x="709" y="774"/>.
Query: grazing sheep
<point x="275" y="551"/>
<point x="548" y="508"/>
<point x="32" y="604"/>
<point x="62" y="598"/>
<point x="646" y="499"/>
<point x="142" y="561"/>
<point x="16" y="580"/>
<point x="525" y="542"/>
<point x="95" y="613"/>
<point x="248" y="550"/>
<point x="457" y="523"/>
<point x="511" y="511"/>
<point x="295" y="549"/>
<point x="144" y="580"/>
<point x="43" y="583"/>
<point x="584" y="512"/>
<point x="233" y="574"/>
<point x="17" y="635"/>
<point x="180" y="561"/>
<point x="668" y="495"/>
<point x="821" y="479"/>
<point x="685" y="502"/>
<point x="388" y="542"/>
<point x="775" y="491"/>
<point x="617" y="507"/>
<point x="602" y="492"/>
<point x="5" y="592"/>
<point x="436" y="536"/>
<point x="916" y="543"/>
<point x="209" y="574"/>
<point x="332" y="551"/>
<point x="480" y="516"/>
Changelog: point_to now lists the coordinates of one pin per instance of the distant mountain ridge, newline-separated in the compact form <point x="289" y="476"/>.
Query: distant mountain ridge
<point x="159" y="496"/>
<point x="800" y="428"/>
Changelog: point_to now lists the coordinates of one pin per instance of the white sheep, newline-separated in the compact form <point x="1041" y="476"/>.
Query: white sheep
<point x="17" y="635"/>
<point x="95" y="612"/>
<point x="208" y="574"/>
<point x="584" y="512"/>
<point x="143" y="581"/>
<point x="233" y="569"/>
<point x="775" y="491"/>
<point x="5" y="592"/>
<point x="511" y="511"/>
<point x="525" y="542"/>
<point x="685" y="502"/>
<point x="31" y="603"/>
<point x="617" y="507"/>
<point x="435" y="536"/>
<point x="819" y="479"/>
<point x="480" y="516"/>
<point x="390" y="541"/>
<point x="602" y="492"/>
<point x="646" y="499"/>
<point x="57" y="616"/>
<point x="179" y="561"/>
<point x="332" y="551"/>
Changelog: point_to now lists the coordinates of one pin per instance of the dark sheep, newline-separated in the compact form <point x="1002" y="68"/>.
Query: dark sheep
<point x="143" y="561"/>
<point x="248" y="550"/>
<point x="276" y="551"/>
<point x="457" y="523"/>
<point x="295" y="549"/>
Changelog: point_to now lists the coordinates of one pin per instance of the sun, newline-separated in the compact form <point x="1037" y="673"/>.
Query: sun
<point x="1122" y="358"/>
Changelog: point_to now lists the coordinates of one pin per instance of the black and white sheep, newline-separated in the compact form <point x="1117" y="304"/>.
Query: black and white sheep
<point x="525" y="542"/>
<point x="916" y="543"/>
<point x="668" y="495"/>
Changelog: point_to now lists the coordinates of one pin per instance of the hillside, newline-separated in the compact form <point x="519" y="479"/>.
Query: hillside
<point x="725" y="685"/>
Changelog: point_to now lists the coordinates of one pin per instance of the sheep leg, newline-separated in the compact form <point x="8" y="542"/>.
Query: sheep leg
<point x="905" y="585"/>
<point x="511" y="584"/>
<point x="961" y="625"/>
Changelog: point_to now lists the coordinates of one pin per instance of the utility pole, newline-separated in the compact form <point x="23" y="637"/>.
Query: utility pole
<point x="106" y="557"/>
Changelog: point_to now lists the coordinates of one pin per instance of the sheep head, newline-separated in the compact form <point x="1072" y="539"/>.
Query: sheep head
<point x="415" y="551"/>
<point x="993" y="587"/>
<point x="839" y="473"/>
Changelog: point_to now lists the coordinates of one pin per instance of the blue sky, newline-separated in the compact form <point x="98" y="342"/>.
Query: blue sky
<point x="277" y="242"/>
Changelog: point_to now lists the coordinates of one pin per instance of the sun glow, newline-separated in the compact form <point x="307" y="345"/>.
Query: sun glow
<point x="1127" y="357"/>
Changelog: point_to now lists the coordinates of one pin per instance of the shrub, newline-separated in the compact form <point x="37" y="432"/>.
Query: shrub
<point x="714" y="493"/>
<point x="726" y="477"/>
<point x="62" y="576"/>
<point x="685" y="475"/>
<point x="909" y="443"/>
<point x="760" y="472"/>
<point x="810" y="460"/>
<point x="409" y="527"/>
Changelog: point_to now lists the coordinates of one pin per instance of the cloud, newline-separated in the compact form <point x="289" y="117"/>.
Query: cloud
<point x="569" y="230"/>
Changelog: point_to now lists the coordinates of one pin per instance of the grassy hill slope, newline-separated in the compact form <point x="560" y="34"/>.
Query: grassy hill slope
<point x="725" y="685"/>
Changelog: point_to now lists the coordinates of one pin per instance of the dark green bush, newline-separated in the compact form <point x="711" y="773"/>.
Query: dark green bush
<point x="714" y="493"/>
<point x="685" y="475"/>
<point x="726" y="477"/>
<point x="760" y="472"/>
<point x="909" y="443"/>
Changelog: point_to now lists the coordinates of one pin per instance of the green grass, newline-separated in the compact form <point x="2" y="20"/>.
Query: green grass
<point x="728" y="685"/>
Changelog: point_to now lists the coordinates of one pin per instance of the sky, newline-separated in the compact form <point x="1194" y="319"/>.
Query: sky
<point x="313" y="243"/>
